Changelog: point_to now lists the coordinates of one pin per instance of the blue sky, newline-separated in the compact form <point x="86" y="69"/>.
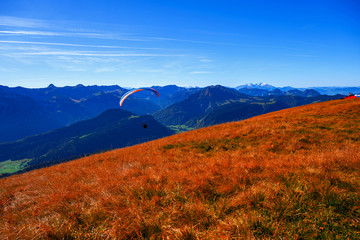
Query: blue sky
<point x="139" y="43"/>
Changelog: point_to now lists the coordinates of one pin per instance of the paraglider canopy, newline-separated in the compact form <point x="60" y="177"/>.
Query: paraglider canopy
<point x="136" y="90"/>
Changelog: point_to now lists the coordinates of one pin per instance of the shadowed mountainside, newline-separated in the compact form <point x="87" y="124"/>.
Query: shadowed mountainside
<point x="288" y="174"/>
<point x="237" y="111"/>
<point x="22" y="116"/>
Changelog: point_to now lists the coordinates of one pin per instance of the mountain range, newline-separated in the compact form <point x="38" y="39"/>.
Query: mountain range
<point x="24" y="111"/>
<point x="218" y="104"/>
<point x="322" y="90"/>
<point x="190" y="110"/>
<point x="41" y="126"/>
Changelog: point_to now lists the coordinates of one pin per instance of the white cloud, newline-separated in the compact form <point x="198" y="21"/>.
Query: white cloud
<point x="190" y="41"/>
<point x="40" y="33"/>
<point x="121" y="37"/>
<point x="75" y="45"/>
<point x="73" y="34"/>
<point x="53" y="27"/>
<point x="97" y="54"/>
<point x="21" y="22"/>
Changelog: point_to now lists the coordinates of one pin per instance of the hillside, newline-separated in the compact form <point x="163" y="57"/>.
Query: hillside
<point x="113" y="128"/>
<point x="291" y="174"/>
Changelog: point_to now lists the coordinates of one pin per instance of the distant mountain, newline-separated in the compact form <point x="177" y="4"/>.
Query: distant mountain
<point x="254" y="91"/>
<point x="115" y="128"/>
<point x="337" y="90"/>
<point x="21" y="116"/>
<point x="96" y="99"/>
<point x="305" y="93"/>
<point x="66" y="110"/>
<point x="238" y="111"/>
<point x="278" y="92"/>
<point x="242" y="110"/>
<point x="67" y="99"/>
<point x="193" y="108"/>
<point x="171" y="94"/>
<point x="93" y="99"/>
<point x="77" y="92"/>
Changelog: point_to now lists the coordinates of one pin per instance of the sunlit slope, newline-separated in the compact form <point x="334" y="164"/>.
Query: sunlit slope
<point x="288" y="174"/>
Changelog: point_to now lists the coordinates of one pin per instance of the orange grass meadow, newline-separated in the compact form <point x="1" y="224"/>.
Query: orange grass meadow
<point x="292" y="174"/>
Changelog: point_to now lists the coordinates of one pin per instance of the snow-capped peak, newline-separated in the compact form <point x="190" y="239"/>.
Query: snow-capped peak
<point x="259" y="85"/>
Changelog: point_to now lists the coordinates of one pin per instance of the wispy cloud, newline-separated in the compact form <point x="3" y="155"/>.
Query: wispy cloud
<point x="76" y="45"/>
<point x="20" y="27"/>
<point x="72" y="34"/>
<point x="60" y="46"/>
<point x="124" y="37"/>
<point x="190" y="41"/>
<point x="22" y="22"/>
<point x="22" y="32"/>
<point x="98" y="54"/>
<point x="52" y="29"/>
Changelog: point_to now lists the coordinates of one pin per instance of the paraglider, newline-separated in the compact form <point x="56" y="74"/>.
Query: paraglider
<point x="137" y="90"/>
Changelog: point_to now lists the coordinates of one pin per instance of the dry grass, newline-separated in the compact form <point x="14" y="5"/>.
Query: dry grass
<point x="293" y="174"/>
